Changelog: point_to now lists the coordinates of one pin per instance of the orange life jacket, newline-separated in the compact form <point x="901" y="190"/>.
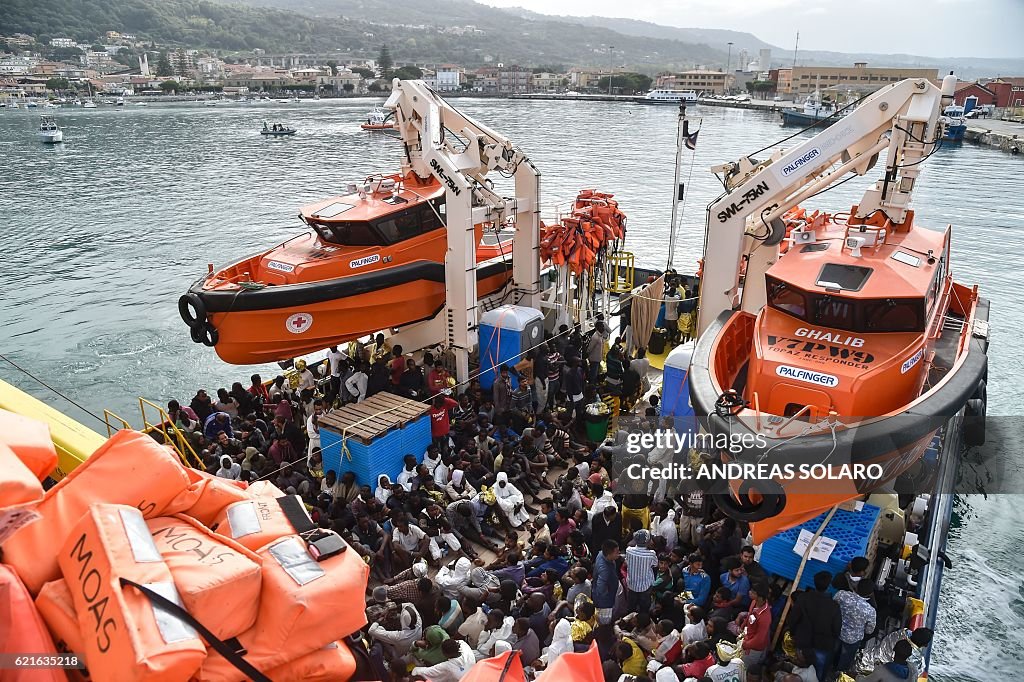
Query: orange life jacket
<point x="207" y="495"/>
<point x="57" y="608"/>
<point x="304" y="604"/>
<point x="124" y="637"/>
<point x="329" y="664"/>
<point x="22" y="630"/>
<point x="218" y="579"/>
<point x="255" y="521"/>
<point x="30" y="441"/>
<point x="130" y="468"/>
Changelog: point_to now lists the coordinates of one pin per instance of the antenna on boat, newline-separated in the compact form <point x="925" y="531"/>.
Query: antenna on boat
<point x="684" y="138"/>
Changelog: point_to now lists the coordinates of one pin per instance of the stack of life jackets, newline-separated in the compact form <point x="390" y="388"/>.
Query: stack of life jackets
<point x="578" y="239"/>
<point x="151" y="570"/>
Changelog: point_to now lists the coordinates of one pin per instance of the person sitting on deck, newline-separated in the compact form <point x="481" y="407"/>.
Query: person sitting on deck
<point x="899" y="670"/>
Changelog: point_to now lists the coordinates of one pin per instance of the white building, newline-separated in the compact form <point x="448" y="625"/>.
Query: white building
<point x="17" y="66"/>
<point x="62" y="42"/>
<point x="449" y="78"/>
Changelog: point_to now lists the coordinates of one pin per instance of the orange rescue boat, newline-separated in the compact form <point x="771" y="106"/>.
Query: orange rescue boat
<point x="865" y="349"/>
<point x="373" y="260"/>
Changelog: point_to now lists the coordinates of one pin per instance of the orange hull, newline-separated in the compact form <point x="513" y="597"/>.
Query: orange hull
<point x="257" y="336"/>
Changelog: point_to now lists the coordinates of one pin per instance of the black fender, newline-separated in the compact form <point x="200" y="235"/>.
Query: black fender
<point x="187" y="304"/>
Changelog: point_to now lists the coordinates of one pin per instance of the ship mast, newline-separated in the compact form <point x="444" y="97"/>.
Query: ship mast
<point x="677" y="189"/>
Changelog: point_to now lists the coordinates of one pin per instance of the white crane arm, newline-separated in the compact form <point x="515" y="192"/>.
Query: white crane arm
<point x="903" y="117"/>
<point x="442" y="142"/>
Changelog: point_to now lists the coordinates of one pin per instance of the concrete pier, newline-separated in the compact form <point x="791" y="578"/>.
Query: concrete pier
<point x="1007" y="136"/>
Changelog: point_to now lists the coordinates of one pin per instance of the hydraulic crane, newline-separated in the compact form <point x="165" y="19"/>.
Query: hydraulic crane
<point x="443" y="143"/>
<point x="745" y="222"/>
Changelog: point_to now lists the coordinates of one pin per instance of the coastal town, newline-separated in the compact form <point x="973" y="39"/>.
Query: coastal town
<point x="119" y="64"/>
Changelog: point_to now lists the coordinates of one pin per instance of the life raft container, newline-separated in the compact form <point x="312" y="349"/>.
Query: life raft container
<point x="22" y="630"/>
<point x="303" y="604"/>
<point x="30" y="441"/>
<point x="218" y="580"/>
<point x="124" y="636"/>
<point x="57" y="608"/>
<point x="130" y="468"/>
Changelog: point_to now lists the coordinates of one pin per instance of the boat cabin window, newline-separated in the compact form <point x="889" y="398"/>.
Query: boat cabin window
<point x="786" y="298"/>
<point x="894" y="315"/>
<point x="846" y="277"/>
<point x="349" y="233"/>
<point x="413" y="222"/>
<point x="870" y="316"/>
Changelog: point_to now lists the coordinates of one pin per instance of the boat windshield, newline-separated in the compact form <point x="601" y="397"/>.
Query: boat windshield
<point x="871" y="316"/>
<point x="390" y="229"/>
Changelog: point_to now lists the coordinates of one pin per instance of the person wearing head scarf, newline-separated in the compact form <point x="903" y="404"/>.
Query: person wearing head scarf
<point x="229" y="468"/>
<point x="510" y="501"/>
<point x="401" y="638"/>
<point x="561" y="642"/>
<point x="666" y="527"/>
<point x="458" y="487"/>
<point x="428" y="650"/>
<point x="451" y="579"/>
<point x="383" y="491"/>
<point x="459" y="658"/>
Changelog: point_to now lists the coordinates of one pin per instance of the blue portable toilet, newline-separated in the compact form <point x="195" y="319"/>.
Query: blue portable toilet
<point x="675" y="388"/>
<point x="505" y="333"/>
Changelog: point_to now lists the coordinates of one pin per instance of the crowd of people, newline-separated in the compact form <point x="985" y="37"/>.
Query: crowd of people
<point x="512" y="532"/>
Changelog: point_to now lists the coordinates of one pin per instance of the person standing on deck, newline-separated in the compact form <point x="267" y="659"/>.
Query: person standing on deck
<point x="640" y="564"/>
<point x="858" y="621"/>
<point x="757" y="625"/>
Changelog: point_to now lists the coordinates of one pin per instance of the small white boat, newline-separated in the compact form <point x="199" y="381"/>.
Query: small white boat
<point x="210" y="103"/>
<point x="49" y="132"/>
<point x="295" y="99"/>
<point x="50" y="105"/>
<point x="140" y="104"/>
<point x="89" y="105"/>
<point x="31" y="105"/>
<point x="120" y="101"/>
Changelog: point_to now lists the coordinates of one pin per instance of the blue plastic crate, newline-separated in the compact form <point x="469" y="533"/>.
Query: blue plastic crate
<point x="851" y="530"/>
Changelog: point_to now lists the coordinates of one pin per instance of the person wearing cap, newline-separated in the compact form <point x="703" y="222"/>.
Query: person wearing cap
<point x="641" y="561"/>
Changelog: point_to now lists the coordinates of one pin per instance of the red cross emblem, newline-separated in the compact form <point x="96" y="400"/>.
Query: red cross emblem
<point x="299" y="323"/>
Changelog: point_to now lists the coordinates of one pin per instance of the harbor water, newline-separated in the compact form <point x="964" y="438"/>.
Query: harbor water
<point x="103" y="233"/>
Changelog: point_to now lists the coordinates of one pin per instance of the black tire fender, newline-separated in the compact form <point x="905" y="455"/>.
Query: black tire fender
<point x="974" y="422"/>
<point x="189" y="302"/>
<point x="740" y="508"/>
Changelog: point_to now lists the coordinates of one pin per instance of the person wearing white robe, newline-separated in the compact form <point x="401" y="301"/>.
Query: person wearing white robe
<point x="666" y="528"/>
<point x="488" y="638"/>
<point x="451" y="580"/>
<point x="510" y="501"/>
<point x="561" y="642"/>
<point x="383" y="491"/>
<point x="601" y="503"/>
<point x="450" y="670"/>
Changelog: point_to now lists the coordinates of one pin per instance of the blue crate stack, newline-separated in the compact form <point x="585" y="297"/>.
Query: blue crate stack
<point x="382" y="456"/>
<point x="854" y="532"/>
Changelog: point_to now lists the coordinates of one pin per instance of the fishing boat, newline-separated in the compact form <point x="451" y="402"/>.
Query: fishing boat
<point x="848" y="342"/>
<point x="668" y="96"/>
<point x="49" y="131"/>
<point x="374" y="259"/>
<point x="957" y="125"/>
<point x="378" y="120"/>
<point x="814" y="111"/>
<point x="277" y="130"/>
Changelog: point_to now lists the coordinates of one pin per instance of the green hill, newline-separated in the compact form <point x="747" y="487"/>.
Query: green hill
<point x="416" y="30"/>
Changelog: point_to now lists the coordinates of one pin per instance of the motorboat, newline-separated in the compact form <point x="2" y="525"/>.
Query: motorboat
<point x="283" y="100"/>
<point x="210" y="103"/>
<point x="49" y="131"/>
<point x="847" y="344"/>
<point x="373" y="259"/>
<point x="119" y="102"/>
<point x="956" y="125"/>
<point x="668" y="96"/>
<point x="814" y="111"/>
<point x="378" y="120"/>
<point x="89" y="105"/>
<point x="31" y="104"/>
<point x="277" y="130"/>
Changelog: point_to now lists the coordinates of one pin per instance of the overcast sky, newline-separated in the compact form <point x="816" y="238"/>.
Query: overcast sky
<point x="939" y="28"/>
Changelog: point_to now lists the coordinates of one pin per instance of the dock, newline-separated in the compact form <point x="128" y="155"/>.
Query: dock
<point x="1007" y="136"/>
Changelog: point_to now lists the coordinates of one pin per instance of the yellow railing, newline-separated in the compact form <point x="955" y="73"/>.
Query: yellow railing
<point x="620" y="272"/>
<point x="173" y="436"/>
<point x="111" y="429"/>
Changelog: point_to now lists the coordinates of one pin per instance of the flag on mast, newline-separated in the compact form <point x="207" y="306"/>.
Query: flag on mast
<point x="689" y="139"/>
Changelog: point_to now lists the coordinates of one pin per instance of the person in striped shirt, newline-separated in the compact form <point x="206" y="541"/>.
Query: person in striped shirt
<point x="641" y="561"/>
